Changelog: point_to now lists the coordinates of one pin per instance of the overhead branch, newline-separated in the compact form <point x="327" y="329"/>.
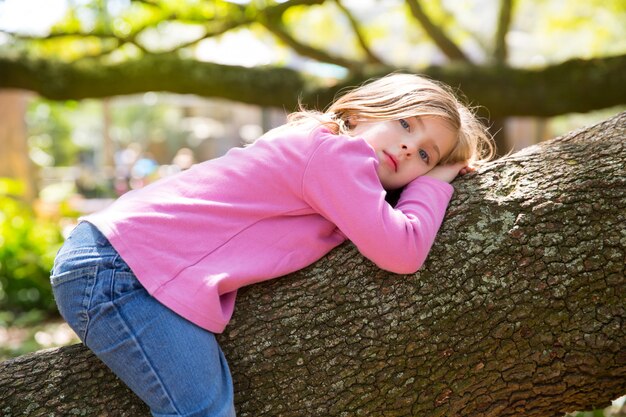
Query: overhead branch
<point x="503" y="91"/>
<point x="271" y="18"/>
<point x="443" y="42"/>
<point x="57" y="35"/>
<point x="209" y="33"/>
<point x="279" y="30"/>
<point x="280" y="8"/>
<point x="212" y="28"/>
<point x="215" y="28"/>
<point x="118" y="40"/>
<point x="105" y="51"/>
<point x="151" y="3"/>
<point x="505" y="15"/>
<point x="90" y="78"/>
<point x="358" y="32"/>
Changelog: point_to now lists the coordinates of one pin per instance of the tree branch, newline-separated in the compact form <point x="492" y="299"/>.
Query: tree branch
<point x="445" y="44"/>
<point x="56" y="35"/>
<point x="356" y="27"/>
<point x="279" y="30"/>
<point x="503" y="91"/>
<point x="504" y="22"/>
<point x="281" y="8"/>
<point x="270" y="17"/>
<point x="151" y="3"/>
<point x="212" y="28"/>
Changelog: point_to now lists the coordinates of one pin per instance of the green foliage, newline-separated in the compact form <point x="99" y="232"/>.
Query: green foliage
<point x="50" y="130"/>
<point x="541" y="31"/>
<point x="27" y="249"/>
<point x="564" y="29"/>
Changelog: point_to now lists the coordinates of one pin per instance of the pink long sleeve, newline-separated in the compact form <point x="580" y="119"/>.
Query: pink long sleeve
<point x="262" y="212"/>
<point x="350" y="196"/>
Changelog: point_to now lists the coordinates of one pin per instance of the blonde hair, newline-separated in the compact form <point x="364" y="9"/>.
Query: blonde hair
<point x="398" y="96"/>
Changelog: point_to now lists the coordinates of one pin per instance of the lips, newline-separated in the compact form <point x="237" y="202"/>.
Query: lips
<point x="392" y="161"/>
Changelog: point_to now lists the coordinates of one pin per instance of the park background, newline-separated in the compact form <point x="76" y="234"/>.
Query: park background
<point x="97" y="97"/>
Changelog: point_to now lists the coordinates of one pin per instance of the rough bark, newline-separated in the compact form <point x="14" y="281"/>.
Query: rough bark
<point x="503" y="91"/>
<point x="519" y="311"/>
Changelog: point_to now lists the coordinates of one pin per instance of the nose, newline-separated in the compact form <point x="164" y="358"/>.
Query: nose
<point x="409" y="148"/>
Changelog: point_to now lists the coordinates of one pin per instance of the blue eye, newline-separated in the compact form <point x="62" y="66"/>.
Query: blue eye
<point x="424" y="155"/>
<point x="404" y="124"/>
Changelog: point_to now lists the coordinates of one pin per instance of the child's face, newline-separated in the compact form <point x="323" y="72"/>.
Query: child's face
<point x="406" y="148"/>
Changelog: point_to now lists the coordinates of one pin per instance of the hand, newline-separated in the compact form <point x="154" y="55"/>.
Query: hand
<point x="467" y="169"/>
<point x="449" y="172"/>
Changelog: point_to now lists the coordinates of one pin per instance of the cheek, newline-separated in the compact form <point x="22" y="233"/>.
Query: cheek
<point x="418" y="169"/>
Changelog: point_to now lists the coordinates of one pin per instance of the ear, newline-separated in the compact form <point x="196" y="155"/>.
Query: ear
<point x="352" y="121"/>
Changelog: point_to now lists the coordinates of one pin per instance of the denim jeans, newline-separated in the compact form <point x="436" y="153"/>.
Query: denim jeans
<point x="174" y="366"/>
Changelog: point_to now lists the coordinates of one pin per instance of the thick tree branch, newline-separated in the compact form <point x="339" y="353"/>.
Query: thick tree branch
<point x="505" y="91"/>
<point x="600" y="83"/>
<point x="445" y="44"/>
<point x="518" y="311"/>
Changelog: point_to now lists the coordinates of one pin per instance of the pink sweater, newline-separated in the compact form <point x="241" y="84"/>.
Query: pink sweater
<point x="264" y="211"/>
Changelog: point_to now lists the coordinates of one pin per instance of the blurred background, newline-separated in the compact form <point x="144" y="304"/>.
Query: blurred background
<point x="101" y="97"/>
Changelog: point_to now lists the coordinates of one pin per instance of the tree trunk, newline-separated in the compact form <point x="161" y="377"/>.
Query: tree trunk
<point x="14" y="159"/>
<point x="519" y="311"/>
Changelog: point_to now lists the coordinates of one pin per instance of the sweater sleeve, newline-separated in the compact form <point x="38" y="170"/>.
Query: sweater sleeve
<point x="341" y="184"/>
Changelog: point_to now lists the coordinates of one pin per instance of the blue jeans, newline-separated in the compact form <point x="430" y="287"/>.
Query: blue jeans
<point x="174" y="366"/>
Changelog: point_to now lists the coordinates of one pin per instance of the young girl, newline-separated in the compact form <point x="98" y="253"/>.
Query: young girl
<point x="147" y="282"/>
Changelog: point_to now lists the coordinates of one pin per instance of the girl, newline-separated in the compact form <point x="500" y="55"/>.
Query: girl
<point x="147" y="282"/>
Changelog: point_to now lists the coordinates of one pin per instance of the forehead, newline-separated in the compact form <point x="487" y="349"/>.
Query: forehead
<point x="435" y="126"/>
<point x="434" y="121"/>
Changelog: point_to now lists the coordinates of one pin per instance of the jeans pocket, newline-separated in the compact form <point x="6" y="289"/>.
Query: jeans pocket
<point x="119" y="264"/>
<point x="72" y="293"/>
<point x="68" y="276"/>
<point x="124" y="283"/>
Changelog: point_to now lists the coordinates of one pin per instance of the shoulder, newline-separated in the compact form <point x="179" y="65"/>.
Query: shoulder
<point x="317" y="142"/>
<point x="340" y="147"/>
<point x="341" y="159"/>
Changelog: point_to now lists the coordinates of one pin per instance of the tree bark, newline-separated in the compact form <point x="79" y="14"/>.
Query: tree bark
<point x="518" y="311"/>
<point x="503" y="91"/>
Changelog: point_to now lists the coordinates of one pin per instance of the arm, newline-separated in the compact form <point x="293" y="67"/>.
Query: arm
<point x="449" y="172"/>
<point x="340" y="183"/>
